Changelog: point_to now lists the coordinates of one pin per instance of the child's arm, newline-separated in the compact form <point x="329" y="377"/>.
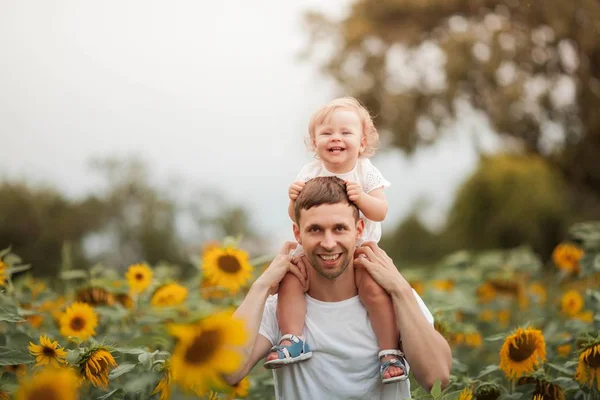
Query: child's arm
<point x="294" y="191"/>
<point x="373" y="205"/>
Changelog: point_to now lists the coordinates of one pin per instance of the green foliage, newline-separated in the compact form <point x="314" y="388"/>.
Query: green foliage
<point x="515" y="60"/>
<point x="510" y="200"/>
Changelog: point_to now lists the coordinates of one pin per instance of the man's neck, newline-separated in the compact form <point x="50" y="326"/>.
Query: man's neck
<point x="332" y="290"/>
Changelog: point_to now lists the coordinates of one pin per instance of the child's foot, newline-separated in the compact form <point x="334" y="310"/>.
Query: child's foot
<point x="290" y="350"/>
<point x="393" y="366"/>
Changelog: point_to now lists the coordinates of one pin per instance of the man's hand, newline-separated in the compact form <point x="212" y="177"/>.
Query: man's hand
<point x="281" y="265"/>
<point x="295" y="189"/>
<point x="354" y="191"/>
<point x="380" y="266"/>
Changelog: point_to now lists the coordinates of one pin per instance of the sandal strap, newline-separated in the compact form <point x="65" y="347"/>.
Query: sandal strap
<point x="396" y="362"/>
<point x="391" y="352"/>
<point x="290" y="337"/>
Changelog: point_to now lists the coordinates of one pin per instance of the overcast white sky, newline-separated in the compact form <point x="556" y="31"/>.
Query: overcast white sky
<point x="208" y="91"/>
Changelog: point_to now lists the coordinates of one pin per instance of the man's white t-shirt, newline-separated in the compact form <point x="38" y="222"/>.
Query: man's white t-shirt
<point x="344" y="364"/>
<point x="365" y="174"/>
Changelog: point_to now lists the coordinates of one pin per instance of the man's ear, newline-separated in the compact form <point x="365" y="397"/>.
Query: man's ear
<point x="297" y="233"/>
<point x="360" y="227"/>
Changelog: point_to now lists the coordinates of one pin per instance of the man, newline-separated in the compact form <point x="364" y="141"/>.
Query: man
<point x="344" y="363"/>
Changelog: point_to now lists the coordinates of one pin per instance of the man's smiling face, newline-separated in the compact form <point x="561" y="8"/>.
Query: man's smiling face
<point x="328" y="234"/>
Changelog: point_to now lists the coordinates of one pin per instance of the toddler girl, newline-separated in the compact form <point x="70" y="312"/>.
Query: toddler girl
<point x="343" y="136"/>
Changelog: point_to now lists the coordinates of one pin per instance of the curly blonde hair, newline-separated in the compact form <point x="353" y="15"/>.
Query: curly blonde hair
<point x="324" y="113"/>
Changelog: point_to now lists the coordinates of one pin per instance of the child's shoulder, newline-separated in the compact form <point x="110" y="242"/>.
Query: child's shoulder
<point x="310" y="170"/>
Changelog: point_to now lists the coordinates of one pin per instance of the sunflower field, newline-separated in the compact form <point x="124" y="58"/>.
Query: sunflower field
<point x="519" y="328"/>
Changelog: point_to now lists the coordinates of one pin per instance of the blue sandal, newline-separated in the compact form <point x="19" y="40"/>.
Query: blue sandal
<point x="296" y="352"/>
<point x="399" y="362"/>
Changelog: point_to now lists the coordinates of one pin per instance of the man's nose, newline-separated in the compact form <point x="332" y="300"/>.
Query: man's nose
<point x="328" y="241"/>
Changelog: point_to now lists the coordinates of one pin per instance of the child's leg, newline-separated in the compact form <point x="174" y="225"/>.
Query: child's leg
<point x="291" y="310"/>
<point x="383" y="318"/>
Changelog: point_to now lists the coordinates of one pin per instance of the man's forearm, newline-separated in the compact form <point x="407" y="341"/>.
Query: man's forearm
<point x="250" y="311"/>
<point x="426" y="350"/>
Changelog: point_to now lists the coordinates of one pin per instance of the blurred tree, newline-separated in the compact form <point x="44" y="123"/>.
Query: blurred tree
<point x="413" y="243"/>
<point x="130" y="220"/>
<point x="532" y="66"/>
<point x="36" y="222"/>
<point x="509" y="201"/>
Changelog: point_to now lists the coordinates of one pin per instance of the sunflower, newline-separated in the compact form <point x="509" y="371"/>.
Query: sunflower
<point x="171" y="294"/>
<point x="566" y="257"/>
<point x="4" y="395"/>
<point x="503" y="317"/>
<point x="47" y="352"/>
<point x="241" y="389"/>
<point x="79" y="320"/>
<point x="209" y="291"/>
<point x="212" y="395"/>
<point x="124" y="299"/>
<point x="3" y="268"/>
<point x="204" y="349"/>
<point x="522" y="352"/>
<point x="571" y="303"/>
<point x="163" y="388"/>
<point x="139" y="277"/>
<point x="539" y="292"/>
<point x="466" y="394"/>
<point x="444" y="285"/>
<point x="95" y="296"/>
<point x="588" y="368"/>
<point x="95" y="365"/>
<point x="50" y="384"/>
<point x="486" y="293"/>
<point x="473" y="339"/>
<point x="486" y="316"/>
<point x="227" y="267"/>
<point x="585" y="316"/>
<point x="545" y="390"/>
<point x="18" y="369"/>
<point x="564" y="350"/>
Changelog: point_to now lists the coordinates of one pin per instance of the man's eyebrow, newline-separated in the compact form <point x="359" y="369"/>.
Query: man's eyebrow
<point x="311" y="226"/>
<point x="342" y="225"/>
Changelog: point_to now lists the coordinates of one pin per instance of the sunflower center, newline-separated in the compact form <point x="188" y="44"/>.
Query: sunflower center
<point x="43" y="392"/>
<point x="522" y="349"/>
<point x="229" y="264"/>
<point x="139" y="276"/>
<point x="204" y="347"/>
<point x="49" y="351"/>
<point x="77" y="323"/>
<point x="593" y="359"/>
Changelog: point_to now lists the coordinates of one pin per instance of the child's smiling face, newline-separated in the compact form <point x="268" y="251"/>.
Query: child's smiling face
<point x="339" y="141"/>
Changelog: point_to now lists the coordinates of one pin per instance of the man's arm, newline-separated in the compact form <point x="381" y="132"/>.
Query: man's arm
<point x="426" y="350"/>
<point x="252" y="308"/>
<point x="257" y="346"/>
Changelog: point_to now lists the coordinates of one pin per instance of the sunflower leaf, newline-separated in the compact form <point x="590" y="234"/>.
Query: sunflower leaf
<point x="436" y="390"/>
<point x="494" y="338"/>
<point x="560" y="369"/>
<point x="73" y="356"/>
<point x="10" y="356"/>
<point x="9" y="313"/>
<point x="110" y="394"/>
<point x="73" y="274"/>
<point x="488" y="370"/>
<point x="136" y="351"/>
<point x="120" y="370"/>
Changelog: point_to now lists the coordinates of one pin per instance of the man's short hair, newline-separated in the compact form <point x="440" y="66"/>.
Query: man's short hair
<point x="323" y="190"/>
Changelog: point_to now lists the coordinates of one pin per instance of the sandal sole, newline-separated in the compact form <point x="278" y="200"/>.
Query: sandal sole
<point x="278" y="363"/>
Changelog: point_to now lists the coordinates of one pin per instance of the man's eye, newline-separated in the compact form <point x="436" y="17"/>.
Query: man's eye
<point x="314" y="229"/>
<point x="340" y="228"/>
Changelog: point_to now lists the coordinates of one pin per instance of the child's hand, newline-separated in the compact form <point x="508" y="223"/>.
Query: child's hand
<point x="295" y="189"/>
<point x="354" y="191"/>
